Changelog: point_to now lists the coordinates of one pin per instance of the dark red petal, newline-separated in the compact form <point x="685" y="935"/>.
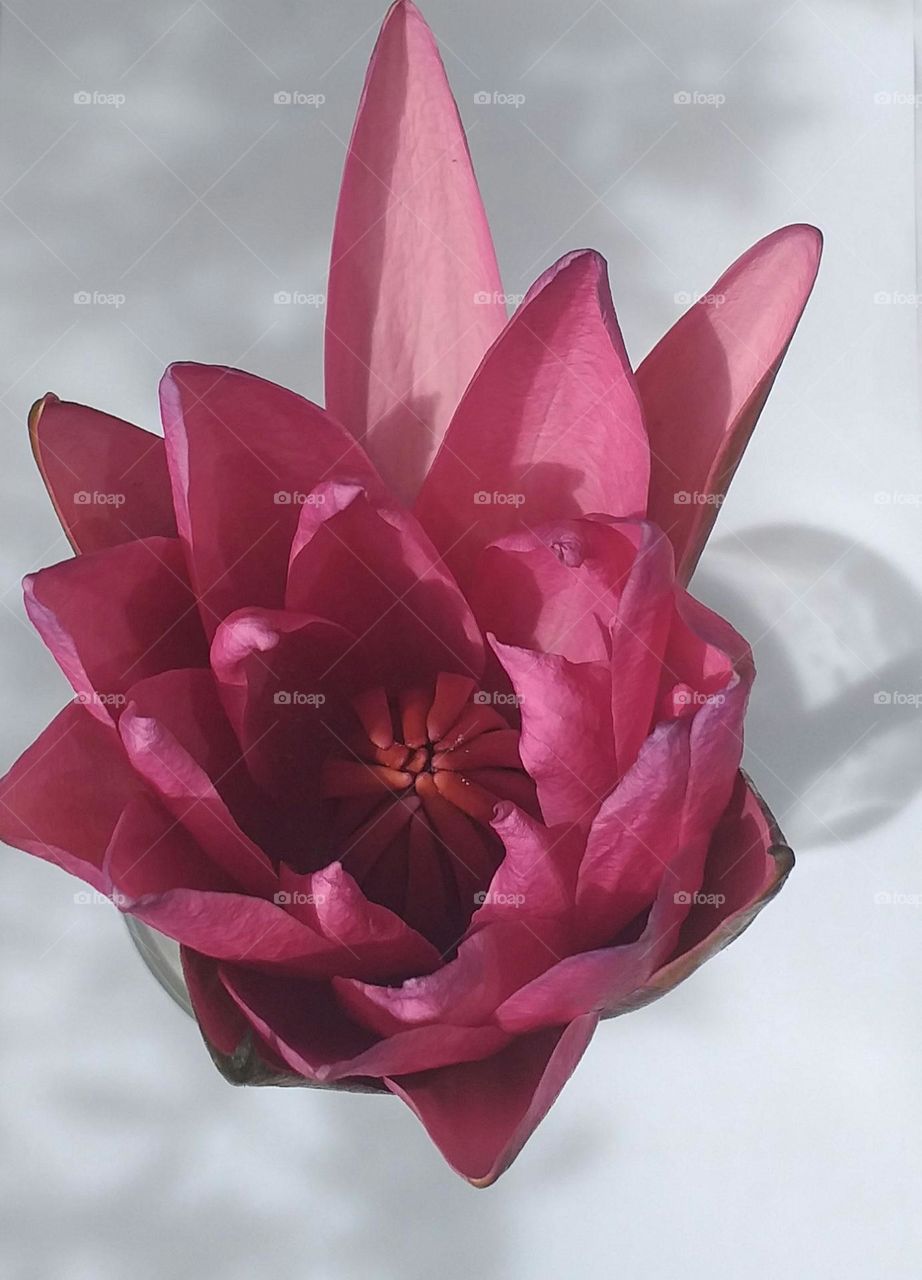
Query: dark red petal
<point x="107" y="480"/>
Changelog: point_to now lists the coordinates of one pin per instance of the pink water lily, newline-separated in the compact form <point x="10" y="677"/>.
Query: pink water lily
<point x="397" y="715"/>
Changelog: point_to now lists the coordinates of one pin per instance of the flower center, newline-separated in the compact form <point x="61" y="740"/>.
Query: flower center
<point x="411" y="793"/>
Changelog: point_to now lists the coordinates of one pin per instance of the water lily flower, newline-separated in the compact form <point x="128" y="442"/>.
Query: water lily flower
<point x="397" y="715"/>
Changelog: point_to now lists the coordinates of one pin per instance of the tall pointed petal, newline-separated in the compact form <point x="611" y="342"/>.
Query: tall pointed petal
<point x="481" y="1114"/>
<point x="414" y="290"/>
<point x="550" y="428"/>
<point x="106" y="478"/>
<point x="705" y="383"/>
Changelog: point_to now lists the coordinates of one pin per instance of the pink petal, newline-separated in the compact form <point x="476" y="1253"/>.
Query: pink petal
<point x="566" y="738"/>
<point x="222" y="1024"/>
<point x="372" y="569"/>
<point x="550" y="427"/>
<point x="116" y="616"/>
<point x="491" y="964"/>
<point x="179" y="741"/>
<point x="555" y="587"/>
<point x="414" y="290"/>
<point x="604" y="981"/>
<point x="150" y="852"/>
<point x="705" y="383"/>
<point x="633" y="841"/>
<point x="383" y="946"/>
<point x="280" y="676"/>
<point x="481" y="1114"/>
<point x="107" y="479"/>
<point x="747" y="863"/>
<point x="537" y="875"/>
<point x="63" y="797"/>
<point x="314" y="1037"/>
<point x="243" y="455"/>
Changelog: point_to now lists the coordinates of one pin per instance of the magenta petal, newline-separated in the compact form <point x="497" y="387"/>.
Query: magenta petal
<point x="747" y="863"/>
<point x="372" y="569"/>
<point x="278" y="674"/>
<point x="633" y="840"/>
<point x="107" y="480"/>
<point x="414" y="290"/>
<point x="243" y="456"/>
<point x="556" y="587"/>
<point x="550" y="428"/>
<point x="150" y="852"/>
<point x="222" y="1024"/>
<point x="180" y="742"/>
<point x="481" y="1114"/>
<point x="63" y="797"/>
<point x="537" y="875"/>
<point x="491" y="964"/>
<point x="566" y="740"/>
<point x="704" y="385"/>
<point x="382" y="947"/>
<point x="312" y="1034"/>
<point x="116" y="616"/>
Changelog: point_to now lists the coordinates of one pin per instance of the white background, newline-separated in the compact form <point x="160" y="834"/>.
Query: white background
<point x="765" y="1119"/>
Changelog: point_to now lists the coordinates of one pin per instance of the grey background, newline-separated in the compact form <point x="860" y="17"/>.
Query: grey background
<point x="767" y="1117"/>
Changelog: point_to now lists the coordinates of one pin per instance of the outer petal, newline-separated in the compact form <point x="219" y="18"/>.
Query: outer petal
<point x="243" y="455"/>
<point x="180" y="742"/>
<point x="551" y="426"/>
<point x="414" y="290"/>
<point x="64" y="796"/>
<point x="705" y="383"/>
<point x="747" y="864"/>
<point x="116" y="616"/>
<point x="481" y="1114"/>
<point x="107" y="479"/>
